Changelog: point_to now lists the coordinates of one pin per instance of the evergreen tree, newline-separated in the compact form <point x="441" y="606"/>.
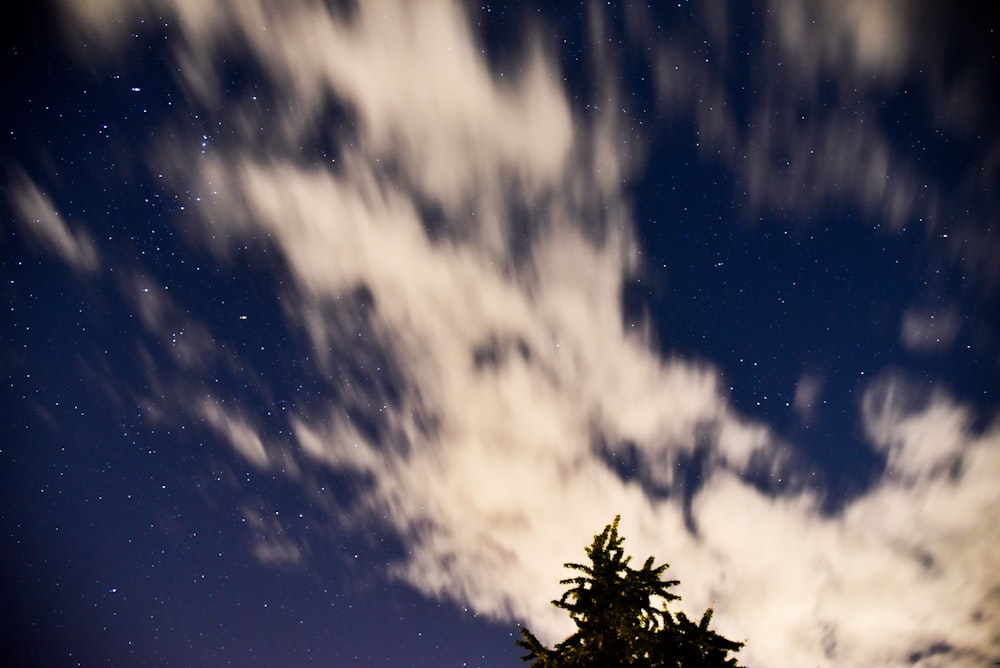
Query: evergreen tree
<point x="622" y="618"/>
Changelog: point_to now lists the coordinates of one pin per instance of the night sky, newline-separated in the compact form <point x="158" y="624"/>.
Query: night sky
<point x="331" y="331"/>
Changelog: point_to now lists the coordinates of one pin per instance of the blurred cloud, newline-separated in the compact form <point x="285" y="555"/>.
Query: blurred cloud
<point x="237" y="431"/>
<point x="810" y="135"/>
<point x="807" y="393"/>
<point x="188" y="342"/>
<point x="271" y="544"/>
<point x="929" y="330"/>
<point x="919" y="441"/>
<point x="44" y="225"/>
<point x="485" y="225"/>
<point x="858" y="36"/>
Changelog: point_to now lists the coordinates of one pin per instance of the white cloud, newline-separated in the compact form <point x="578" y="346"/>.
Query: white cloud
<point x="43" y="223"/>
<point x="490" y="471"/>
<point x="918" y="444"/>
<point x="906" y="566"/>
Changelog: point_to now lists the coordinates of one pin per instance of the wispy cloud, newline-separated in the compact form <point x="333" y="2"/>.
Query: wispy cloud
<point x="271" y="543"/>
<point x="807" y="394"/>
<point x="794" y="151"/>
<point x="811" y="134"/>
<point x="237" y="431"/>
<point x="929" y="330"/>
<point x="43" y="224"/>
<point x="473" y="230"/>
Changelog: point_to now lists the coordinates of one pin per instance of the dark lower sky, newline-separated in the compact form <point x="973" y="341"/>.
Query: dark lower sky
<point x="333" y="330"/>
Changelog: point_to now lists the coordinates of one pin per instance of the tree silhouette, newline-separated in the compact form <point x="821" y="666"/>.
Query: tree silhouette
<point x="622" y="618"/>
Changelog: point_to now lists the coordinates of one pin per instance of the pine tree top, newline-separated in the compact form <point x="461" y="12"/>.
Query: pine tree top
<point x="623" y="619"/>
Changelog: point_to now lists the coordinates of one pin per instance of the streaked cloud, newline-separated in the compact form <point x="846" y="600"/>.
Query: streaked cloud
<point x="238" y="431"/>
<point x="810" y="136"/>
<point x="42" y="222"/>
<point x="793" y="151"/>
<point x="188" y="342"/>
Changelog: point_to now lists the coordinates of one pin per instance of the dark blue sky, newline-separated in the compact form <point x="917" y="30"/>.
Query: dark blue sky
<point x="332" y="332"/>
